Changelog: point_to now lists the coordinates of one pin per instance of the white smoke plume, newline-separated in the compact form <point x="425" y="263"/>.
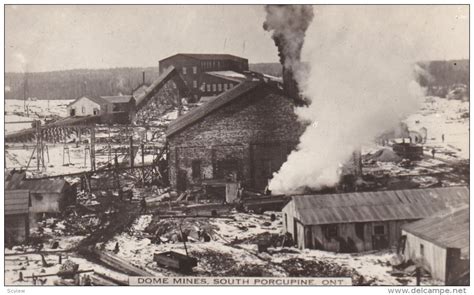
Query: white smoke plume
<point x="360" y="84"/>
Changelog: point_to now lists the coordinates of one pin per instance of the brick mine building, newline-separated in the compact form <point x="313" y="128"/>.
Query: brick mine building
<point x="206" y="74"/>
<point x="245" y="133"/>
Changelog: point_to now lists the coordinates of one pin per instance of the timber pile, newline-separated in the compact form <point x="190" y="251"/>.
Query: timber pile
<point x="268" y="239"/>
<point x="120" y="264"/>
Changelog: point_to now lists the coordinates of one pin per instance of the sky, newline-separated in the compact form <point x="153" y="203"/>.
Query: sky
<point x="61" y="37"/>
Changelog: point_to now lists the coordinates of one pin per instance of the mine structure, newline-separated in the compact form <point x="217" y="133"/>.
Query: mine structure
<point x="173" y="163"/>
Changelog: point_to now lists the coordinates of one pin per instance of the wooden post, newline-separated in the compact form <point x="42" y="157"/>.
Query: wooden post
<point x="418" y="276"/>
<point x="92" y="151"/>
<point x="60" y="258"/>
<point x="143" y="164"/>
<point x="38" y="146"/>
<point x="131" y="152"/>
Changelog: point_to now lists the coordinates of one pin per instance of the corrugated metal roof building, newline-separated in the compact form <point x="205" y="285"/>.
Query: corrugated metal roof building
<point x="47" y="195"/>
<point x="363" y="221"/>
<point x="441" y="244"/>
<point x="17" y="203"/>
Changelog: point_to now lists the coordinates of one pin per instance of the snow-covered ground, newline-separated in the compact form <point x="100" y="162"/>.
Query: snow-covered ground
<point x="37" y="110"/>
<point x="442" y="116"/>
<point x="375" y="266"/>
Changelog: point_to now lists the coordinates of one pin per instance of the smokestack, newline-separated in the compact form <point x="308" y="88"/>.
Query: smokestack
<point x="288" y="24"/>
<point x="143" y="77"/>
<point x="290" y="86"/>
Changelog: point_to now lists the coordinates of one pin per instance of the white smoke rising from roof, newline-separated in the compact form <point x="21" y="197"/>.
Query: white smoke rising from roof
<point x="361" y="83"/>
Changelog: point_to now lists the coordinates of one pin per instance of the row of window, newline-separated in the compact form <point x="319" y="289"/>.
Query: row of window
<point x="216" y="87"/>
<point x="185" y="70"/>
<point x="210" y="64"/>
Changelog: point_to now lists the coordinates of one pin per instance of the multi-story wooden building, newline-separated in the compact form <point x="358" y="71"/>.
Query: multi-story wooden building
<point x="193" y="69"/>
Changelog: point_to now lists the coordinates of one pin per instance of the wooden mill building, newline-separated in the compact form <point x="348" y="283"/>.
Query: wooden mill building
<point x="193" y="69"/>
<point x="46" y="196"/>
<point x="363" y="221"/>
<point x="245" y="133"/>
<point x="440" y="244"/>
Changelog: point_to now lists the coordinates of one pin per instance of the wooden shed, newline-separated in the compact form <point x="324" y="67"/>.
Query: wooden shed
<point x="363" y="221"/>
<point x="47" y="196"/>
<point x="17" y="203"/>
<point x="89" y="106"/>
<point x="440" y="244"/>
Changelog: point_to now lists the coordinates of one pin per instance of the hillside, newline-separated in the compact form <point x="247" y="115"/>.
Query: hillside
<point x="72" y="83"/>
<point x="443" y="77"/>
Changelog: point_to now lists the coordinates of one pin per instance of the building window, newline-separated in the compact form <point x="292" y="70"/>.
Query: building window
<point x="38" y="197"/>
<point x="195" y="70"/>
<point x="195" y="84"/>
<point x="379" y="229"/>
<point x="225" y="86"/>
<point x="231" y="85"/>
<point x="286" y="221"/>
<point x="184" y="70"/>
<point x="196" y="169"/>
<point x="208" y="86"/>
<point x="219" y="87"/>
<point x="214" y="88"/>
<point x="331" y="231"/>
<point x="83" y="110"/>
<point x="422" y="250"/>
<point x="218" y="64"/>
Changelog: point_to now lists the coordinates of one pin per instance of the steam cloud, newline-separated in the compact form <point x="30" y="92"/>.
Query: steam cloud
<point x="360" y="84"/>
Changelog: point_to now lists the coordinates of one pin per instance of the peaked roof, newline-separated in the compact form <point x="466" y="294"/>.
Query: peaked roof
<point x="97" y="100"/>
<point x="44" y="185"/>
<point x="215" y="104"/>
<point x="19" y="182"/>
<point x="16" y="202"/>
<point x="209" y="56"/>
<point x="376" y="206"/>
<point x="450" y="229"/>
<point x="118" y="98"/>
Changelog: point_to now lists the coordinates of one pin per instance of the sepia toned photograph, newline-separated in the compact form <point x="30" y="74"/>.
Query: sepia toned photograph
<point x="236" y="145"/>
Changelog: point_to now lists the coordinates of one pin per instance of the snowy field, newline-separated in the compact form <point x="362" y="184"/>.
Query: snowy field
<point x="441" y="116"/>
<point x="37" y="110"/>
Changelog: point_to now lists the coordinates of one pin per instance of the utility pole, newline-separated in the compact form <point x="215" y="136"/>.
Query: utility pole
<point x="92" y="152"/>
<point x="131" y="152"/>
<point x="38" y="145"/>
<point x="143" y="164"/>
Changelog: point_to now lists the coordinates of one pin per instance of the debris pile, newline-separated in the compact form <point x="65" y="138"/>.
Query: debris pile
<point x="267" y="239"/>
<point x="170" y="229"/>
<point x="297" y="267"/>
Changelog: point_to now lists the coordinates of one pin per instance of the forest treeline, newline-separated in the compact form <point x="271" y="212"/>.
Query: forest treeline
<point x="70" y="84"/>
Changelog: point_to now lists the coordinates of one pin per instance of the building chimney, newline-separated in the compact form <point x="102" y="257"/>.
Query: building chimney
<point x="143" y="78"/>
<point x="290" y="87"/>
